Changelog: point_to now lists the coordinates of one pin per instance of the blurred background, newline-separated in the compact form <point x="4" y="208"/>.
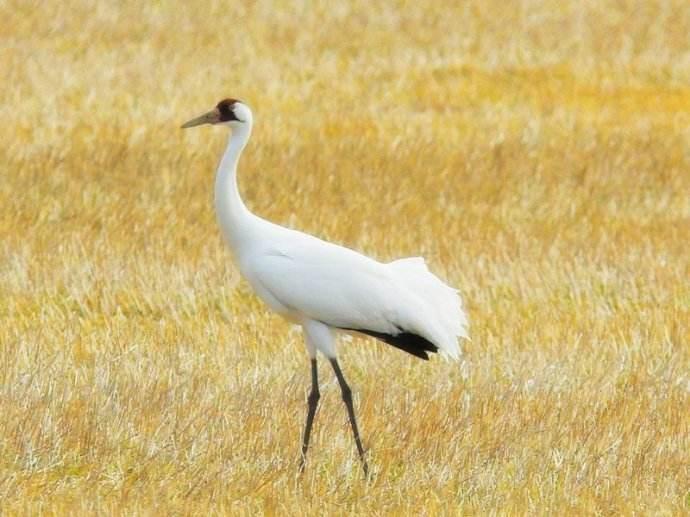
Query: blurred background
<point x="536" y="152"/>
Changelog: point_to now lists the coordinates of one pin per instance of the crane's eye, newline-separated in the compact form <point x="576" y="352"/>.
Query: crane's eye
<point x="226" y="113"/>
<point x="226" y="110"/>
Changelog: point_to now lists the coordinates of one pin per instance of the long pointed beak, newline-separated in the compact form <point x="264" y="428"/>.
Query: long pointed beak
<point x="212" y="117"/>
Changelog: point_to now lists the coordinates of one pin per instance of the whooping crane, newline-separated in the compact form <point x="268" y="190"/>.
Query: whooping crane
<point x="327" y="288"/>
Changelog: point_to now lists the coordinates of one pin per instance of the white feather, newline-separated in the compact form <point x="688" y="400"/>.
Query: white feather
<point x="303" y="277"/>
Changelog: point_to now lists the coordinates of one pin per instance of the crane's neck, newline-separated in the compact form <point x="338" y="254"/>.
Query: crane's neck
<point x="233" y="216"/>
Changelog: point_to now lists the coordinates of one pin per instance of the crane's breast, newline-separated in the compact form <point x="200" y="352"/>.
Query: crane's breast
<point x="268" y="297"/>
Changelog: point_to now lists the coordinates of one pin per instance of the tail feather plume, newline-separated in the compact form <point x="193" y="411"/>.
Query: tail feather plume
<point x="439" y="317"/>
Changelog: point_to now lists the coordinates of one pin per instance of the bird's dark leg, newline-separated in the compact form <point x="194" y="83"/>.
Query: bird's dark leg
<point x="347" y="398"/>
<point x="312" y="404"/>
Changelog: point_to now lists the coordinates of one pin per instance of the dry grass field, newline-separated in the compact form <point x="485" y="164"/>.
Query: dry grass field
<point x="536" y="152"/>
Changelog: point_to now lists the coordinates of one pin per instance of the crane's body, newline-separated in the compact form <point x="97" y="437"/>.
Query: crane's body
<point x="328" y="288"/>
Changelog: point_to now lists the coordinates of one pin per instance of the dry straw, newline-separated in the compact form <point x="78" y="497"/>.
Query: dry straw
<point x="536" y="152"/>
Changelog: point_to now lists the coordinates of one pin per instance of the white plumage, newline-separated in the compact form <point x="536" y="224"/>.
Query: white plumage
<point x="328" y="288"/>
<point x="305" y="278"/>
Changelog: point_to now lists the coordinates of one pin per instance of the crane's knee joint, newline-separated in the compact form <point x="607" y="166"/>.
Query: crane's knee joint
<point x="314" y="397"/>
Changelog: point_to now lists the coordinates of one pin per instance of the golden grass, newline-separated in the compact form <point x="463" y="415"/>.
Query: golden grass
<point x="536" y="153"/>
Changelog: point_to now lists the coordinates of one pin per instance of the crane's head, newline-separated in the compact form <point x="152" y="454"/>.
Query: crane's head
<point x="229" y="112"/>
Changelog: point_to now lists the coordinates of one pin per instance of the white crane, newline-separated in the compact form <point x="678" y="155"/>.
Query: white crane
<point x="327" y="288"/>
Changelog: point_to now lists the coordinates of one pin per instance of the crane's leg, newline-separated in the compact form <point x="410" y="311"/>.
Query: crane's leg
<point x="312" y="404"/>
<point x="347" y="398"/>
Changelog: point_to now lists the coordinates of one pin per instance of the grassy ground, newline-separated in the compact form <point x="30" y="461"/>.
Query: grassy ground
<point x="537" y="153"/>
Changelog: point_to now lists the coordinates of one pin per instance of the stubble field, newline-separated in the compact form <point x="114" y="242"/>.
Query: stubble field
<point x="537" y="153"/>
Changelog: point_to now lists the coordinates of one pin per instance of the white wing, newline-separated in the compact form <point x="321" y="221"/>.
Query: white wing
<point x="328" y="283"/>
<point x="337" y="286"/>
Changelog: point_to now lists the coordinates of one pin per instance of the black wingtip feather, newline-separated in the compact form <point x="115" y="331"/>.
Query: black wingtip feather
<point x="410" y="343"/>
